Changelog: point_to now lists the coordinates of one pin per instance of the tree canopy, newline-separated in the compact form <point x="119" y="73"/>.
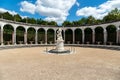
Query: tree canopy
<point x="112" y="16"/>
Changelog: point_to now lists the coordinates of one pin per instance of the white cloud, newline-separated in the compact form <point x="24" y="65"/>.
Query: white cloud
<point x="26" y="6"/>
<point x="100" y="11"/>
<point x="2" y="10"/>
<point x="56" y="10"/>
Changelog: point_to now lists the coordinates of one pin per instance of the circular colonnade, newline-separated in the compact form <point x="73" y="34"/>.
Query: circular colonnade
<point x="21" y="33"/>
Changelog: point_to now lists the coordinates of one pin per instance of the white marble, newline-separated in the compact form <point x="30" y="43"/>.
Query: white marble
<point x="60" y="41"/>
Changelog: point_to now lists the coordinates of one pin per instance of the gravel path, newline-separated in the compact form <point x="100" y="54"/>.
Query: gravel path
<point x="35" y="64"/>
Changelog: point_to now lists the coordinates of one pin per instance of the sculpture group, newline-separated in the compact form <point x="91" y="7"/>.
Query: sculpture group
<point x="59" y="44"/>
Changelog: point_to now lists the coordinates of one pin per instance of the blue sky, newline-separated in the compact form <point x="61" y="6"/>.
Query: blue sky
<point x="59" y="10"/>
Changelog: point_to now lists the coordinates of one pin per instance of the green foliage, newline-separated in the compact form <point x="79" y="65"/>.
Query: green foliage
<point x="112" y="16"/>
<point x="52" y="23"/>
<point x="91" y="21"/>
<point x="67" y="23"/>
<point x="8" y="16"/>
<point x="31" y="20"/>
<point x="17" y="18"/>
<point x="82" y="21"/>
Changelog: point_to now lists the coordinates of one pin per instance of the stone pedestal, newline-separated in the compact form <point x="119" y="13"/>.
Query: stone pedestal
<point x="60" y="45"/>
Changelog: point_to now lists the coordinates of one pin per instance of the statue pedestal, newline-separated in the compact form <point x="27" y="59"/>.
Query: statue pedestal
<point x="60" y="45"/>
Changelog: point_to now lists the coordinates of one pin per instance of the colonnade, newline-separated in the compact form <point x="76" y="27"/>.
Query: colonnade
<point x="83" y="34"/>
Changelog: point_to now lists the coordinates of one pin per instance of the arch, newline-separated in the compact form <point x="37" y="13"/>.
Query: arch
<point x="68" y="36"/>
<point x="50" y="36"/>
<point x="41" y="35"/>
<point x="99" y="32"/>
<point x="31" y="35"/>
<point x="20" y="31"/>
<point x="111" y="34"/>
<point x="8" y="31"/>
<point x="78" y="36"/>
<point x="88" y="35"/>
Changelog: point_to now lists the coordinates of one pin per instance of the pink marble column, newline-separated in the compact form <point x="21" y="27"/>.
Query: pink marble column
<point x="45" y="37"/>
<point x="36" y="37"/>
<point x="1" y="36"/>
<point x="93" y="36"/>
<point x="55" y="37"/>
<point x="73" y="36"/>
<point x="83" y="37"/>
<point x="25" y="37"/>
<point x="105" y="36"/>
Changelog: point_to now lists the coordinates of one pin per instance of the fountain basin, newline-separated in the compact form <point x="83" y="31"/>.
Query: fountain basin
<point x="59" y="51"/>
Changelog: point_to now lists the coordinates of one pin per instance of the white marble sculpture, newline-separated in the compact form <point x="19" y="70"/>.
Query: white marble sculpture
<point x="60" y="41"/>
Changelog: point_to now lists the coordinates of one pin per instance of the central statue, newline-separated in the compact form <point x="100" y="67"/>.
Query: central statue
<point x="60" y="41"/>
<point x="59" y="44"/>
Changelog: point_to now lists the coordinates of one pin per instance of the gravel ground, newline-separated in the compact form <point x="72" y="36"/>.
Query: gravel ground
<point x="34" y="64"/>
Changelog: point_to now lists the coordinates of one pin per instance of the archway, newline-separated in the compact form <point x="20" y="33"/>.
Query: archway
<point x="31" y="36"/>
<point x="20" y="34"/>
<point x="111" y="34"/>
<point x="41" y="35"/>
<point x="88" y="35"/>
<point x="50" y="36"/>
<point x="8" y="31"/>
<point x="78" y="36"/>
<point x="68" y="36"/>
<point x="99" y="35"/>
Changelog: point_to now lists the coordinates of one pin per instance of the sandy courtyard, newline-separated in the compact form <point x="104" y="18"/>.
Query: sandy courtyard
<point x="34" y="64"/>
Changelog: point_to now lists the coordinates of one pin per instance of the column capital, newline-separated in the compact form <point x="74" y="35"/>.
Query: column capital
<point x="118" y="29"/>
<point x="93" y="30"/>
<point x="104" y="30"/>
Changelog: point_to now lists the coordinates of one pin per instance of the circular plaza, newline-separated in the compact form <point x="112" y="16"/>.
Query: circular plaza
<point x="35" y="64"/>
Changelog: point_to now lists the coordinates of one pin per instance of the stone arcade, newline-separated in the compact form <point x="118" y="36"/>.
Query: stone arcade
<point x="93" y="39"/>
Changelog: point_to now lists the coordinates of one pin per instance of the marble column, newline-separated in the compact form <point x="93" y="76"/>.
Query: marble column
<point x="105" y="36"/>
<point x="117" y="32"/>
<point x="25" y="37"/>
<point x="14" y="37"/>
<point x="64" y="35"/>
<point x="1" y="32"/>
<point x="119" y="36"/>
<point x="54" y="36"/>
<point x="46" y="37"/>
<point x="93" y="36"/>
<point x="36" y="37"/>
<point x="83" y="37"/>
<point x="73" y="36"/>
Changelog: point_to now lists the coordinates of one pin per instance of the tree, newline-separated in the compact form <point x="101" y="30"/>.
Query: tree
<point x="98" y="21"/>
<point x="90" y="20"/>
<point x="24" y="20"/>
<point x="66" y="23"/>
<point x="8" y="16"/>
<point x="31" y="20"/>
<point x="82" y="21"/>
<point x="1" y="15"/>
<point x="75" y="23"/>
<point x="114" y="15"/>
<point x="52" y="23"/>
<point x="17" y="18"/>
<point x="42" y="22"/>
